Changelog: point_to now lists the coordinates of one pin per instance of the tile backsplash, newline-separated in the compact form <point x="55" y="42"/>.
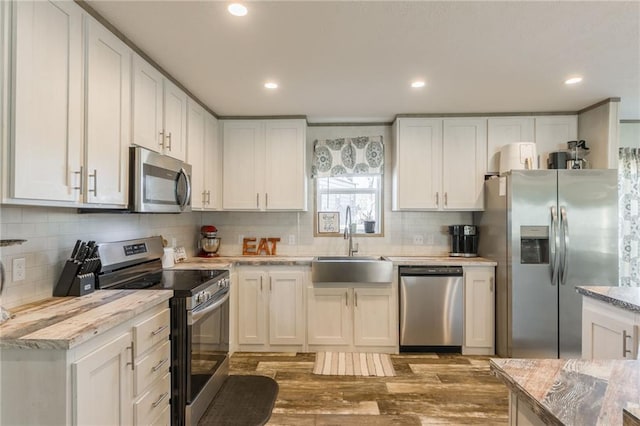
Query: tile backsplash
<point x="51" y="231"/>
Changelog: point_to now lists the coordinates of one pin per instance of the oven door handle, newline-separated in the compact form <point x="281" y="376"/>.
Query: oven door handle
<point x="193" y="317"/>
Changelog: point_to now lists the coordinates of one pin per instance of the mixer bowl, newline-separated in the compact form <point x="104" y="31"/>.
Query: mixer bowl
<point x="210" y="245"/>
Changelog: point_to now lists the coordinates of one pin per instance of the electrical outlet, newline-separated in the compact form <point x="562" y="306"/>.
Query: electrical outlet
<point x="430" y="240"/>
<point x="292" y="239"/>
<point x="19" y="267"/>
<point x="418" y="240"/>
<point x="240" y="238"/>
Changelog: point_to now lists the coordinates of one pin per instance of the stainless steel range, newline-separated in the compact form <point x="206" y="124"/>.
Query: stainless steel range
<point x="199" y="319"/>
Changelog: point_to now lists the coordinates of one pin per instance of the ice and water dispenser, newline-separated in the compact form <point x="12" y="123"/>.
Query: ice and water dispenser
<point x="534" y="244"/>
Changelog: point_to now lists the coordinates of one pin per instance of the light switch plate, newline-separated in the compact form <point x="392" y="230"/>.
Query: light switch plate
<point x="292" y="239"/>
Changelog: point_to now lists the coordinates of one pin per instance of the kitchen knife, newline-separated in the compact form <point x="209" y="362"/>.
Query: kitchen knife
<point x="82" y="253"/>
<point x="94" y="251"/>
<point x="75" y="250"/>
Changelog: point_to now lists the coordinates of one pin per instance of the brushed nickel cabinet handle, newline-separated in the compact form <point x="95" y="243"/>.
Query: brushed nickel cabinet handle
<point x="161" y="143"/>
<point x="266" y="200"/>
<point x="81" y="174"/>
<point x="346" y="298"/>
<point x="162" y="397"/>
<point x="491" y="284"/>
<point x="270" y="283"/>
<point x="356" y="298"/>
<point x="159" y="365"/>
<point x="159" y="330"/>
<point x="446" y="199"/>
<point x="260" y="283"/>
<point x="437" y="200"/>
<point x="169" y="138"/>
<point x="208" y="197"/>
<point x="625" y="351"/>
<point x="257" y="200"/>
<point x="95" y="182"/>
<point x="132" y="364"/>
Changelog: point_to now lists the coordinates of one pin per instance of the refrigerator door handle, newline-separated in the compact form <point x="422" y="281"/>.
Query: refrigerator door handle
<point x="555" y="242"/>
<point x="564" y="224"/>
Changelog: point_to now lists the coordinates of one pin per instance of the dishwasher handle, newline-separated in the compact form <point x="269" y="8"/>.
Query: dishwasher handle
<point x="421" y="271"/>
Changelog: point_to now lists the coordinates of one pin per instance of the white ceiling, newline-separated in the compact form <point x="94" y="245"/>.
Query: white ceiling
<point x="354" y="60"/>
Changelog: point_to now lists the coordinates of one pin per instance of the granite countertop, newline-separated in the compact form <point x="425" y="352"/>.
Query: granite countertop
<point x="623" y="297"/>
<point x="573" y="392"/>
<point x="226" y="262"/>
<point x="66" y="322"/>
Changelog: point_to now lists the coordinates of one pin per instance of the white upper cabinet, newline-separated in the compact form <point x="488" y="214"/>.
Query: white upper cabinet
<point x="285" y="178"/>
<point x="264" y="165"/>
<point x="439" y="164"/>
<point x="212" y="164"/>
<point x="195" y="153"/>
<point x="203" y="154"/>
<point x="552" y="134"/>
<point x="159" y="112"/>
<point x="418" y="163"/>
<point x="464" y="164"/>
<point x="48" y="110"/>
<point x="108" y="116"/>
<point x="503" y="131"/>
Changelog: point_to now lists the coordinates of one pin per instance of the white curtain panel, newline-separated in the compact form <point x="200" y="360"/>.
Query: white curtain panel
<point x="629" y="208"/>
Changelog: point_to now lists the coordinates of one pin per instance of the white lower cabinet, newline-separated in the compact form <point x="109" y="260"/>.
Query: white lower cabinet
<point x="121" y="377"/>
<point x="351" y="318"/>
<point x="271" y="308"/>
<point x="609" y="332"/>
<point x="479" y="311"/>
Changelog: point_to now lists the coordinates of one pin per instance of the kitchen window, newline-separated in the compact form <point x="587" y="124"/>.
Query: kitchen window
<point x="363" y="193"/>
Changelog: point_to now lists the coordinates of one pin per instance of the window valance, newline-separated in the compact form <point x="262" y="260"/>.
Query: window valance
<point x="348" y="156"/>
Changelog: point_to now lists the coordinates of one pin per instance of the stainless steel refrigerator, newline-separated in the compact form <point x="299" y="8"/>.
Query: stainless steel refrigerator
<point x="549" y="231"/>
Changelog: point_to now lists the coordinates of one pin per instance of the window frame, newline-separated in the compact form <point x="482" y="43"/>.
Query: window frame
<point x="380" y="220"/>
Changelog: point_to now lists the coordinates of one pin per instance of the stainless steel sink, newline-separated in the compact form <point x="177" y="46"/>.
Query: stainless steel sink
<point x="351" y="269"/>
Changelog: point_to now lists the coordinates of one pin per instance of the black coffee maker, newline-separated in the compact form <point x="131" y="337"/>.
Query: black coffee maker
<point x="464" y="240"/>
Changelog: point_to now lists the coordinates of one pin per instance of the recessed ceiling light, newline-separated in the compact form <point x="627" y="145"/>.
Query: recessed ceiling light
<point x="573" y="80"/>
<point x="271" y="85"/>
<point x="417" y="84"/>
<point x="236" y="9"/>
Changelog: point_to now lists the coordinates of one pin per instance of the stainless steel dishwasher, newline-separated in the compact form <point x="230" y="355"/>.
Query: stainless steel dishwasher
<point x="430" y="308"/>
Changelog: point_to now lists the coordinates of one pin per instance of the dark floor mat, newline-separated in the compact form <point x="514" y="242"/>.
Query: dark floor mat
<point x="242" y="401"/>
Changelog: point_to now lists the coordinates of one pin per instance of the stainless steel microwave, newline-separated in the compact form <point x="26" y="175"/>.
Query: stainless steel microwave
<point x="158" y="183"/>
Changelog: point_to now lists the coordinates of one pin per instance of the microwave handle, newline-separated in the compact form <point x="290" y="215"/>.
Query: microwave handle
<point x="183" y="202"/>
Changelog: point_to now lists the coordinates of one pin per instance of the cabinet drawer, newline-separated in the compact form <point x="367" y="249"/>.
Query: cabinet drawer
<point x="152" y="366"/>
<point x="164" y="419"/>
<point x="152" y="403"/>
<point x="151" y="331"/>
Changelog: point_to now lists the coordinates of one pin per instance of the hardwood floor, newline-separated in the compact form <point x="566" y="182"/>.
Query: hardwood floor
<point x="428" y="389"/>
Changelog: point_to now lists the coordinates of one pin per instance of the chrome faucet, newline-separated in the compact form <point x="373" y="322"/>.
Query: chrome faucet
<point x="347" y="232"/>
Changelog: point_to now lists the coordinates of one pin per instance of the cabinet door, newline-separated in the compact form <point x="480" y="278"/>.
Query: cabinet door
<point x="479" y="305"/>
<point x="285" y="177"/>
<point x="147" y="105"/>
<point x="212" y="164"/>
<point x="286" y="313"/>
<point x="48" y="126"/>
<point x="552" y="134"/>
<point x="102" y="385"/>
<point x="108" y="116"/>
<point x="195" y="153"/>
<point x="464" y="164"/>
<point x="374" y="317"/>
<point x="243" y="151"/>
<point x="503" y="131"/>
<point x="328" y="316"/>
<point x="607" y="337"/>
<point x="175" y="121"/>
<point x="251" y="308"/>
<point x="418" y="164"/>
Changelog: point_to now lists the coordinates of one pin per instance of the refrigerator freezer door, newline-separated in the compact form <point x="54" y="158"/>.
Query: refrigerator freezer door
<point x="531" y="197"/>
<point x="588" y="205"/>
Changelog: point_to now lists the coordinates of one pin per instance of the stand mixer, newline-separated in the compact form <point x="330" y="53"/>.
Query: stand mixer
<point x="209" y="241"/>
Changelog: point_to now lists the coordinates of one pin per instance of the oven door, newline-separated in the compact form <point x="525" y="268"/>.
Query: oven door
<point x="208" y="349"/>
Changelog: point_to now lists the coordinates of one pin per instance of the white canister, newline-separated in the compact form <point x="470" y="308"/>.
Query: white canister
<point x="518" y="156"/>
<point x="168" y="259"/>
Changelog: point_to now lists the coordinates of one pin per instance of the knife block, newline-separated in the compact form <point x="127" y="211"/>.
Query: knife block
<point x="82" y="284"/>
<point x="72" y="282"/>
